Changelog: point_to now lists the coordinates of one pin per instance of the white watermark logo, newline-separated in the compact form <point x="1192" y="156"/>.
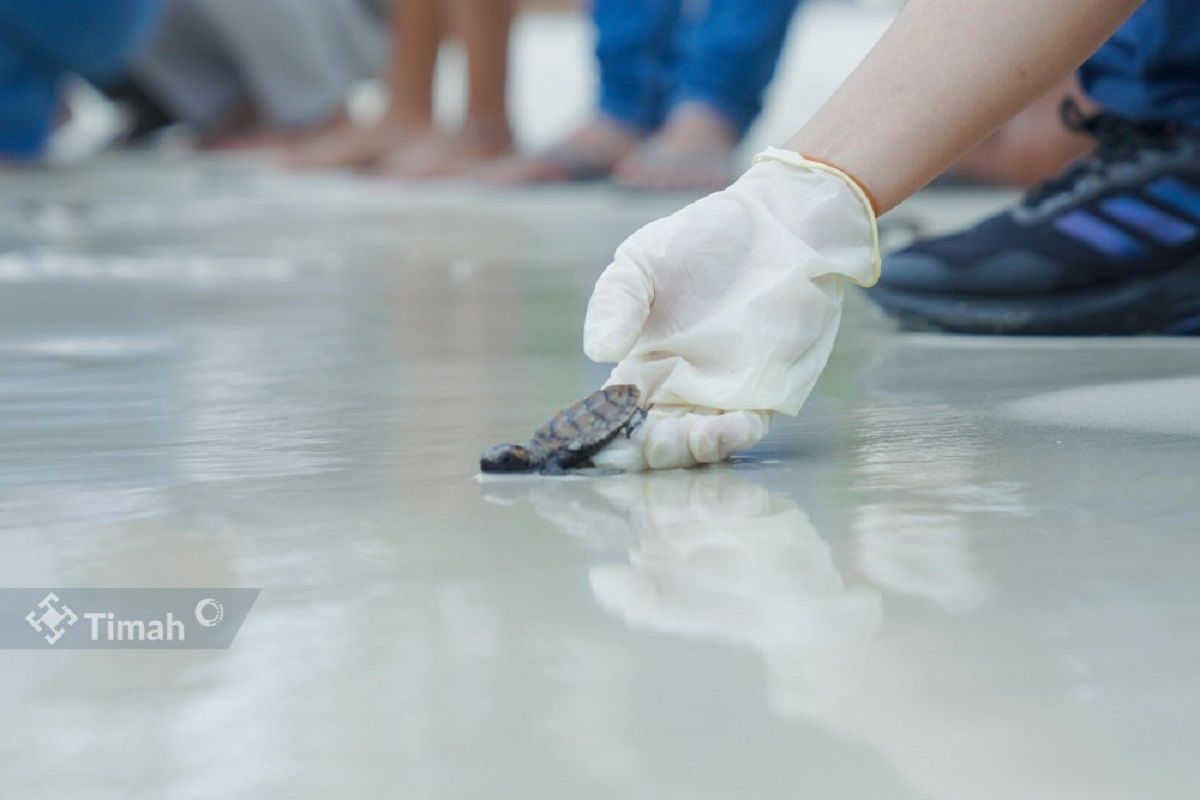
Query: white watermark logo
<point x="108" y="627"/>
<point x="210" y="612"/>
<point x="51" y="618"/>
<point x="135" y="618"/>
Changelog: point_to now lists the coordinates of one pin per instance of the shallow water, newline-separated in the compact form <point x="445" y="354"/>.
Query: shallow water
<point x="967" y="570"/>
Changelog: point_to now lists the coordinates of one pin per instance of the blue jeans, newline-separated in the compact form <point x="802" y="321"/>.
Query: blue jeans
<point x="655" y="54"/>
<point x="40" y="40"/>
<point x="1150" y="68"/>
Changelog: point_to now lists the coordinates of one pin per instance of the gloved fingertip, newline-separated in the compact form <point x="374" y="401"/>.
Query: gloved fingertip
<point x="756" y="426"/>
<point x="667" y="444"/>
<point x="604" y="345"/>
<point x="704" y="440"/>
<point x="616" y="312"/>
<point x="750" y="432"/>
<point x="714" y="439"/>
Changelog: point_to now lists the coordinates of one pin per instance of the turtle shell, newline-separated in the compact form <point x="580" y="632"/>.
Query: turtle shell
<point x="591" y="423"/>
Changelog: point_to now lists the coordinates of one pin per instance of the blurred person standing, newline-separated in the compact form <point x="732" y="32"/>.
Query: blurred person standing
<point x="259" y="72"/>
<point x="41" y="42"/>
<point x="407" y="141"/>
<point x="681" y="81"/>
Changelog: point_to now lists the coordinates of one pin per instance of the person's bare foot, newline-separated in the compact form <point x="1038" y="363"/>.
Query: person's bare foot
<point x="355" y="146"/>
<point x="440" y="155"/>
<point x="693" y="150"/>
<point x="589" y="152"/>
<point x="245" y="131"/>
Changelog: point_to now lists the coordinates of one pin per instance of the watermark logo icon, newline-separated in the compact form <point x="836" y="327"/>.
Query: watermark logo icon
<point x="210" y="612"/>
<point x="52" y="618"/>
<point x="134" y="618"/>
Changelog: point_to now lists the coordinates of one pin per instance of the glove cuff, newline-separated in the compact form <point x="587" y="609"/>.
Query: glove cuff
<point x="794" y="159"/>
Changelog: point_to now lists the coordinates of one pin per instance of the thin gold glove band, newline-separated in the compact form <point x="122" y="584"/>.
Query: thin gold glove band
<point x="794" y="159"/>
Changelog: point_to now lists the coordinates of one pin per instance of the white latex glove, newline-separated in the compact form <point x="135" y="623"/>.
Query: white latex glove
<point x="726" y="310"/>
<point x="679" y="436"/>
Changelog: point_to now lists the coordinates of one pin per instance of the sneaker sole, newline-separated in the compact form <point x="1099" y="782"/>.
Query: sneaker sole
<point x="1167" y="303"/>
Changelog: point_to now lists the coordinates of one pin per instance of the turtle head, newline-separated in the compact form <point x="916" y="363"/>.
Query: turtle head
<point x="510" y="458"/>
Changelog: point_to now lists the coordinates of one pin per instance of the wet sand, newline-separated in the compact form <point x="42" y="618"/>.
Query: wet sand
<point x="967" y="569"/>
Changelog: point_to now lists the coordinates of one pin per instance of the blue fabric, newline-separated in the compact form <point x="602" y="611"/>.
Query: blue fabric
<point x="1150" y="68"/>
<point x="42" y="40"/>
<point x="654" y="54"/>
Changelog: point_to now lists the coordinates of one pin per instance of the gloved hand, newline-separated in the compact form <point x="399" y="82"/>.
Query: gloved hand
<point x="726" y="311"/>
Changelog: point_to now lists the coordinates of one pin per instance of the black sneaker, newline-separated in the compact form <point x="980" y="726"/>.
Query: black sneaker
<point x="1110" y="247"/>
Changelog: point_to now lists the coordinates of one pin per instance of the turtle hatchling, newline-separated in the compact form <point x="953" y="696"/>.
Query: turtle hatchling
<point x="572" y="436"/>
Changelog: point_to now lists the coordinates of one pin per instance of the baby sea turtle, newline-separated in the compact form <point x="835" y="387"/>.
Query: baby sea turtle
<point x="572" y="436"/>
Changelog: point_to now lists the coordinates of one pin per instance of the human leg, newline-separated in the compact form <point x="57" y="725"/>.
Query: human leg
<point x="728" y="57"/>
<point x="1150" y="69"/>
<point x="41" y="41"/>
<point x="1113" y="245"/>
<point x="1032" y="147"/>
<point x="28" y="94"/>
<point x="724" y="60"/>
<point x="483" y="26"/>
<point x="81" y="36"/>
<point x="634" y="42"/>
<point x="416" y="29"/>
<point x="298" y="59"/>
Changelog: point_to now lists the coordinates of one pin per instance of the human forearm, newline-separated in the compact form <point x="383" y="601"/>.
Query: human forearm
<point x="946" y="74"/>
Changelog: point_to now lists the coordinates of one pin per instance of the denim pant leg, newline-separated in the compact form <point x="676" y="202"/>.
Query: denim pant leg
<point x="1150" y="68"/>
<point x="41" y="41"/>
<point x="634" y="39"/>
<point x="729" y="53"/>
<point x="84" y="36"/>
<point x="27" y="103"/>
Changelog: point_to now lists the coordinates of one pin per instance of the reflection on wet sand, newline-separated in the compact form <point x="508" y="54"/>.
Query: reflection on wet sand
<point x="709" y="554"/>
<point x="919" y="593"/>
<point x="920" y="469"/>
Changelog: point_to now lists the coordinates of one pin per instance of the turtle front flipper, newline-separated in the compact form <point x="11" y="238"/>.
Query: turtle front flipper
<point x="511" y="458"/>
<point x="553" y="466"/>
<point x="635" y="422"/>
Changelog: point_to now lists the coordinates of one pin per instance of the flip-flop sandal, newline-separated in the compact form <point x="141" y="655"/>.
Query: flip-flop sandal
<point x="576" y="165"/>
<point x="715" y="162"/>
